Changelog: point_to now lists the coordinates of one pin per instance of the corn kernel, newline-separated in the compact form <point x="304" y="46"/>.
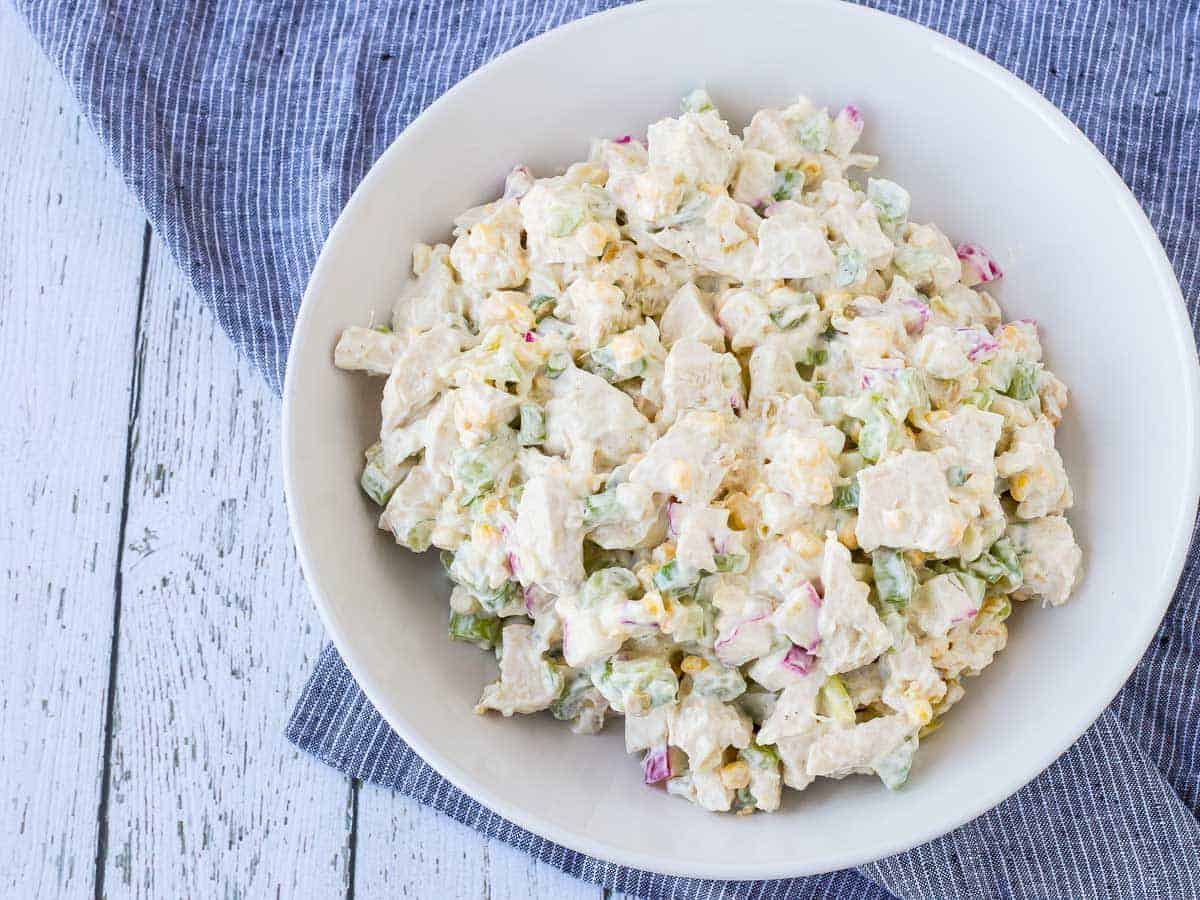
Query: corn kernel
<point x="922" y="711"/>
<point x="811" y="169"/>
<point x="846" y="534"/>
<point x="805" y="543"/>
<point x="693" y="664"/>
<point x="1018" y="486"/>
<point x="735" y="775"/>
<point x="652" y="602"/>
<point x="422" y="254"/>
<point x="680" y="475"/>
<point x="929" y="729"/>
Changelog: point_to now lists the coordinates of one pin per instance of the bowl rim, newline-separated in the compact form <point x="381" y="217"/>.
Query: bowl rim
<point x="1168" y="293"/>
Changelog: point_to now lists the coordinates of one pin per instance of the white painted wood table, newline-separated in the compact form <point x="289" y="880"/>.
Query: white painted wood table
<point x="155" y="626"/>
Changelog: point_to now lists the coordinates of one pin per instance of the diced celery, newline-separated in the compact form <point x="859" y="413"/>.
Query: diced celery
<point x="716" y="680"/>
<point x="743" y="800"/>
<point x="834" y="701"/>
<point x="894" y="578"/>
<point x="694" y="622"/>
<point x="851" y="266"/>
<point x="574" y="694"/>
<point x="599" y="201"/>
<point x="731" y="562"/>
<point x="416" y="537"/>
<point x="789" y="317"/>
<point x="956" y="476"/>
<point x="814" y="356"/>
<point x="759" y="757"/>
<point x="447" y="559"/>
<point x="981" y="399"/>
<point x="377" y="483"/>
<point x="814" y="132"/>
<point x="915" y="263"/>
<point x="557" y="364"/>
<point x="786" y="183"/>
<point x="563" y="220"/>
<point x="481" y="630"/>
<point x="501" y="600"/>
<point x="975" y="587"/>
<point x="758" y="704"/>
<point x="613" y="583"/>
<point x="875" y="435"/>
<point x="476" y="468"/>
<point x="893" y="767"/>
<point x="1024" y="383"/>
<point x="890" y="200"/>
<point x="596" y="558"/>
<point x="533" y="425"/>
<point x="601" y="509"/>
<point x="845" y="496"/>
<point x="636" y="684"/>
<point x="696" y="101"/>
<point x="675" y="578"/>
<point x="542" y="305"/>
<point x="1004" y="551"/>
<point x="997" y="607"/>
<point x="999" y="566"/>
<point x="911" y="392"/>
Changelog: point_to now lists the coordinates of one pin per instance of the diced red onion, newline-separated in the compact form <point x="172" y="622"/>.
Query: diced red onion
<point x="922" y="310"/>
<point x="813" y="597"/>
<point x="798" y="660"/>
<point x="672" y="525"/>
<point x="981" y="342"/>
<point x="966" y="616"/>
<point x="624" y="139"/>
<point x="518" y="183"/>
<point x="656" y="765"/>
<point x="981" y="263"/>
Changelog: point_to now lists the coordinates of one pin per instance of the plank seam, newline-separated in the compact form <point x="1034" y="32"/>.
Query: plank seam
<point x="135" y="394"/>
<point x="352" y="842"/>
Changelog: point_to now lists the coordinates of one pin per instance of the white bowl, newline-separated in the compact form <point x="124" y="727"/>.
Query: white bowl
<point x="986" y="158"/>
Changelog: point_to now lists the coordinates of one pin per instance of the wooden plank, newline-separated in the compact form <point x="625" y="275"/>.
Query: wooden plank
<point x="71" y="244"/>
<point x="513" y="875"/>
<point x="404" y="849"/>
<point x="217" y="637"/>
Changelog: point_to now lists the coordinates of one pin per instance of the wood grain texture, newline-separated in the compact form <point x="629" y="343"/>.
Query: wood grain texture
<point x="405" y="849"/>
<point x="70" y="260"/>
<point x="217" y="637"/>
<point x="215" y="632"/>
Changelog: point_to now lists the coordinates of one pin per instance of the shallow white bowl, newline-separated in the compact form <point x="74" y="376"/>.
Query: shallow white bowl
<point x="986" y="158"/>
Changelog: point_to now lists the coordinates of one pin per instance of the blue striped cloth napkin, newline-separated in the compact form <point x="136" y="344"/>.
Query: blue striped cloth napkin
<point x="244" y="125"/>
